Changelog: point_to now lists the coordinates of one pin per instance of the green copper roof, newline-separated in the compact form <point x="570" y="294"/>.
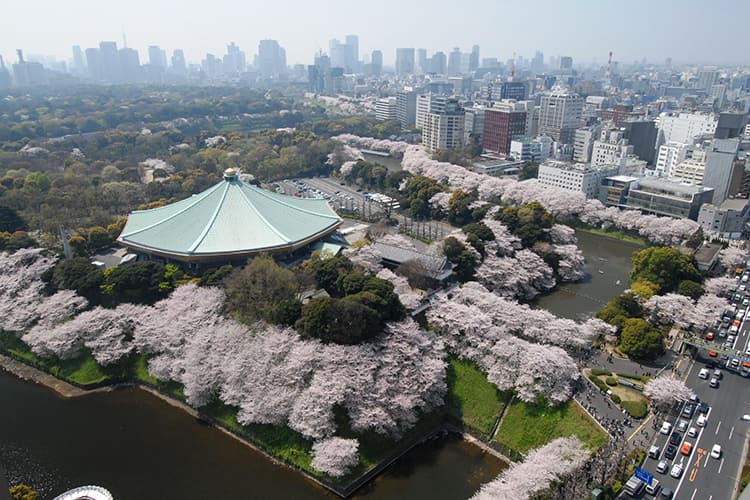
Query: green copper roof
<point x="231" y="217"/>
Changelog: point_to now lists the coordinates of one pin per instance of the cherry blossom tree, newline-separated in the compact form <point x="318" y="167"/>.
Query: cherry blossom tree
<point x="665" y="390"/>
<point x="732" y="257"/>
<point x="335" y="456"/>
<point x="671" y="308"/>
<point x="719" y="285"/>
<point x="408" y="297"/>
<point x="552" y="462"/>
<point x="570" y="267"/>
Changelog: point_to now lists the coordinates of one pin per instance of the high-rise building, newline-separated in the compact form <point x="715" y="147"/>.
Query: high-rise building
<point x="706" y="78"/>
<point x="404" y="61"/>
<point x="513" y="90"/>
<point x="93" y="63"/>
<point x="376" y="59"/>
<point x="583" y="143"/>
<point x="565" y="63"/>
<point x="109" y="60"/>
<point x="271" y="59"/>
<point x="537" y="62"/>
<point x="444" y="130"/>
<point x="560" y="115"/>
<point x="130" y="64"/>
<point x="234" y="61"/>
<point x="730" y="125"/>
<point x="79" y="60"/>
<point x="27" y="73"/>
<point x="157" y="57"/>
<point x="684" y="127"/>
<point x="474" y="58"/>
<point x="438" y="63"/>
<point x="406" y="108"/>
<point x="337" y="52"/>
<point x="611" y="149"/>
<point x="385" y="109"/>
<point x="351" y="53"/>
<point x="670" y="155"/>
<point x="429" y="103"/>
<point x="574" y="177"/>
<point x="721" y="167"/>
<point x="179" y="64"/>
<point x="211" y="66"/>
<point x="422" y="64"/>
<point x="5" y="79"/>
<point x="641" y="134"/>
<point x="502" y="123"/>
<point x="454" y="62"/>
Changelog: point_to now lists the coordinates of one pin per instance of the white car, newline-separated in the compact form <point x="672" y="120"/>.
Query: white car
<point x="703" y="373"/>
<point x="692" y="432"/>
<point x="662" y="467"/>
<point x="701" y="422"/>
<point x="745" y="417"/>
<point x="666" y="428"/>
<point x="716" y="451"/>
<point x="676" y="471"/>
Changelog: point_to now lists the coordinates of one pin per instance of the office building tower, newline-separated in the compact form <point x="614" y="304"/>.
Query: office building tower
<point x="376" y="59"/>
<point x="583" y="143"/>
<point x="385" y="109"/>
<point x="474" y="123"/>
<point x="684" y="127"/>
<point x="79" y="60"/>
<point x="721" y="167"/>
<point x="337" y="53"/>
<point x="444" y="130"/>
<point x="130" y="65"/>
<point x="641" y="134"/>
<point x="234" y="61"/>
<point x="574" y="177"/>
<point x="271" y="59"/>
<point x="560" y="115"/>
<point x="730" y="125"/>
<point x="429" y="103"/>
<point x="454" y="62"/>
<point x="26" y="73"/>
<point x="5" y="79"/>
<point x="109" y="61"/>
<point x="727" y="221"/>
<point x="93" y="63"/>
<point x="670" y="155"/>
<point x="351" y="54"/>
<point x="179" y="64"/>
<point x="406" y="108"/>
<point x="513" y="90"/>
<point x="211" y="66"/>
<point x="502" y="123"/>
<point x="474" y="58"/>
<point x="537" y="62"/>
<point x="404" y="61"/>
<point x="422" y="64"/>
<point x="157" y="57"/>
<point x="610" y="149"/>
<point x="438" y="63"/>
<point x="565" y="63"/>
<point x="707" y="78"/>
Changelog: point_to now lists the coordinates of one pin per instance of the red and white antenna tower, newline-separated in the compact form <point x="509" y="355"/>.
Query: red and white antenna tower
<point x="609" y="67"/>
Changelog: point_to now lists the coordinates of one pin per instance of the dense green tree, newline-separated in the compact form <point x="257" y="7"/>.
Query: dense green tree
<point x="76" y="273"/>
<point x="528" y="171"/>
<point x="664" y="266"/>
<point x="640" y="340"/>
<point x="139" y="282"/>
<point x="327" y="270"/>
<point x="620" y="309"/>
<point x="10" y="221"/>
<point x="690" y="289"/>
<point x="255" y="291"/>
<point x="463" y="260"/>
<point x="341" y="321"/>
<point x="459" y="212"/>
<point x="419" y="189"/>
<point x="530" y="222"/>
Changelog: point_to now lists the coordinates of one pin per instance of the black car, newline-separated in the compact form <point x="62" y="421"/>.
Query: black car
<point x="703" y="408"/>
<point x="688" y="411"/>
<point x="670" y="452"/>
<point x="675" y="438"/>
<point x="710" y="365"/>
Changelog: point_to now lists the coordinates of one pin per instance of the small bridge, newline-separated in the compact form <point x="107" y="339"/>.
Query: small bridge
<point x="86" y="493"/>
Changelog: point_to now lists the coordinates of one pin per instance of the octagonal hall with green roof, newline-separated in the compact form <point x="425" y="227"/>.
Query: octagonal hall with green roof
<point x="229" y="221"/>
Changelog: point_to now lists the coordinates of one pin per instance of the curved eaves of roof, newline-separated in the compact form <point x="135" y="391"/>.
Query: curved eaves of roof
<point x="231" y="217"/>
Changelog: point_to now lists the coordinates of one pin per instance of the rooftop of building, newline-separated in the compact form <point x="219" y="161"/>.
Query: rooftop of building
<point x="231" y="219"/>
<point x="667" y="186"/>
<point x="736" y="204"/>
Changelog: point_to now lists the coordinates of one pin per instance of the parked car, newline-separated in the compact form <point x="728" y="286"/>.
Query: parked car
<point x="686" y="448"/>
<point x="662" y="467"/>
<point x="692" y="432"/>
<point x="676" y="471"/>
<point x="714" y="382"/>
<point x="701" y="422"/>
<point x="670" y="452"/>
<point x="666" y="428"/>
<point x="688" y="411"/>
<point x="716" y="451"/>
<point x="675" y="438"/>
<point x="703" y="373"/>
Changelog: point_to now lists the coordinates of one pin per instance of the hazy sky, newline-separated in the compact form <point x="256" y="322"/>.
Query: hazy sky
<point x="687" y="30"/>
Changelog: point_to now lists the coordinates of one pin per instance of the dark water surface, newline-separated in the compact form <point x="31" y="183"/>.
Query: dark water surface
<point x="140" y="447"/>
<point x="607" y="262"/>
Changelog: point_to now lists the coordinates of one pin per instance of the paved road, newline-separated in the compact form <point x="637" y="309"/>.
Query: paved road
<point x="705" y="477"/>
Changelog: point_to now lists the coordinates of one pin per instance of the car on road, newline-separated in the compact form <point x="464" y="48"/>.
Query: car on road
<point x="666" y="428"/>
<point x="662" y="467"/>
<point x="676" y="471"/>
<point x="722" y="333"/>
<point x="688" y="411"/>
<point x="675" y="438"/>
<point x="703" y="373"/>
<point x="718" y="374"/>
<point x="653" y="488"/>
<point x="670" y="452"/>
<point x="716" y="451"/>
<point x="701" y="422"/>
<point x="745" y="417"/>
<point x="692" y="432"/>
<point x="714" y="382"/>
<point x="654" y="451"/>
<point x="686" y="448"/>
<point x="666" y="493"/>
<point x="703" y="408"/>
<point x="710" y="336"/>
<point x="682" y="426"/>
<point x="713" y="354"/>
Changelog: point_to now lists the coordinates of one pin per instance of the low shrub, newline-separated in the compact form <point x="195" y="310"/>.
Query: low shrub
<point x="637" y="409"/>
<point x="616" y="398"/>
<point x="598" y="371"/>
<point x="601" y="385"/>
<point x="611" y="381"/>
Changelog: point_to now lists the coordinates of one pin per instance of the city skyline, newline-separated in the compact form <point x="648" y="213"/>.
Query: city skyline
<point x="653" y="30"/>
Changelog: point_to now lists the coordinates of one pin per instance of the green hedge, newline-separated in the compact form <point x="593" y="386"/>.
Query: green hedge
<point x="616" y="398"/>
<point x="611" y="381"/>
<point x="640" y="378"/>
<point x="598" y="371"/>
<point x="601" y="385"/>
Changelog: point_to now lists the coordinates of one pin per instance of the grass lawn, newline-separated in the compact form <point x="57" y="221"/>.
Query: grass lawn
<point x="526" y="427"/>
<point x="474" y="398"/>
<point x="83" y="370"/>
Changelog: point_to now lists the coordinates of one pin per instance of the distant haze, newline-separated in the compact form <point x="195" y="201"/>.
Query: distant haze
<point x="686" y="30"/>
